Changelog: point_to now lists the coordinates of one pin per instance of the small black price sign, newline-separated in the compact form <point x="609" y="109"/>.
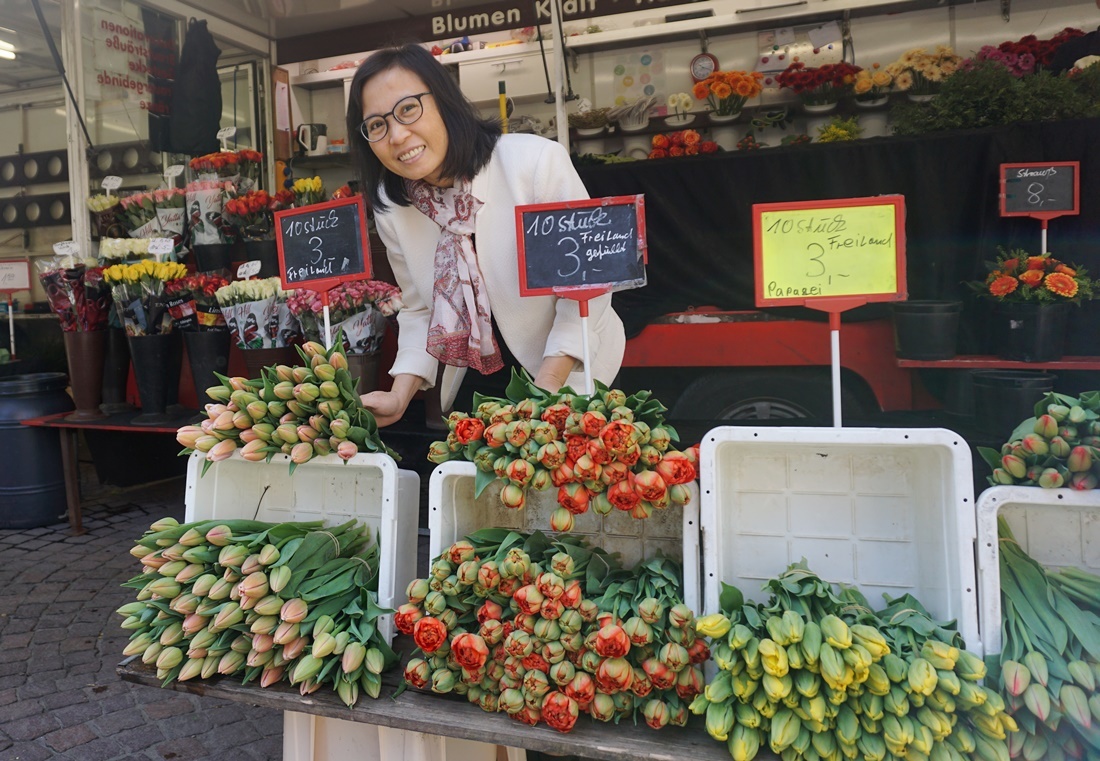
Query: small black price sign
<point x="323" y="245"/>
<point x="594" y="243"/>
<point x="1043" y="191"/>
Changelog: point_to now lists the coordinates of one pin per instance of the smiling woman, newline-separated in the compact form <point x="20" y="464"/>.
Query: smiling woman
<point x="440" y="177"/>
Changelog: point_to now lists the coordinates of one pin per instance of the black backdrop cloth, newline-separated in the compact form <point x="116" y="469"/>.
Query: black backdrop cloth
<point x="699" y="214"/>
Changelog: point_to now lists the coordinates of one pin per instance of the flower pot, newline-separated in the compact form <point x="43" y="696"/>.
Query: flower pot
<point x="920" y="97"/>
<point x="814" y="125"/>
<point x="634" y="125"/>
<point x="926" y="330"/>
<point x="364" y="368"/>
<point x="211" y="257"/>
<point x="819" y="108"/>
<point x="266" y="252"/>
<point x="1030" y="332"/>
<point x="678" y="121"/>
<point x="872" y="102"/>
<point x="116" y="371"/>
<point x="723" y="118"/>
<point x="153" y="360"/>
<point x="726" y="137"/>
<point x="207" y="353"/>
<point x="84" y="351"/>
<point x="1005" y="398"/>
<point x="874" y="124"/>
<point x="589" y="131"/>
<point x="257" y="359"/>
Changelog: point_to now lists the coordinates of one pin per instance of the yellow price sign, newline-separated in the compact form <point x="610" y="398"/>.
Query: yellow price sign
<point x="840" y="248"/>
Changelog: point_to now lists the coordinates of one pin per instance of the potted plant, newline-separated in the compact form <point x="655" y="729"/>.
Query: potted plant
<point x="920" y="74"/>
<point x="679" y="103"/>
<point x="872" y="86"/>
<point x="1031" y="296"/>
<point x="818" y="88"/>
<point x="727" y="91"/>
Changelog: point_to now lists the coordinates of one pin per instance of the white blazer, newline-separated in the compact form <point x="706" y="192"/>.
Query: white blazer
<point x="524" y="169"/>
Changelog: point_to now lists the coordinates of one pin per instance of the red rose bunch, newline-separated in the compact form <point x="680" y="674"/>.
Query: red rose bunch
<point x="197" y="292"/>
<point x="608" y="451"/>
<point x="221" y="163"/>
<point x="820" y="84"/>
<point x="686" y="142"/>
<point x="503" y="619"/>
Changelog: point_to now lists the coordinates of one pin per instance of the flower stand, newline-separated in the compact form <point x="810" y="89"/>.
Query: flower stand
<point x="84" y="351"/>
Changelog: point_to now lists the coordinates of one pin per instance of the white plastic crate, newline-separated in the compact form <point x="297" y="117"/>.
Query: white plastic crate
<point x="887" y="510"/>
<point x="453" y="512"/>
<point x="1059" y="528"/>
<point x="369" y="488"/>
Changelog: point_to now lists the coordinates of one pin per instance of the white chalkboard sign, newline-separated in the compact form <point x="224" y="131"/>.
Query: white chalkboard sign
<point x="323" y="245"/>
<point x="1045" y="190"/>
<point x="594" y="243"/>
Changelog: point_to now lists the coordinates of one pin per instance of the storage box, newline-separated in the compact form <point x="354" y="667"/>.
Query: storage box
<point x="890" y="511"/>
<point x="1059" y="528"/>
<point x="453" y="512"/>
<point x="369" y="488"/>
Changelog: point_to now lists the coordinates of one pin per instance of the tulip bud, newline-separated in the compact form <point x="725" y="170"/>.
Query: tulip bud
<point x="1083" y="481"/>
<point x="169" y="658"/>
<point x="222" y="450"/>
<point x="560" y="520"/>
<point x="346" y="450"/>
<point x="1015" y="466"/>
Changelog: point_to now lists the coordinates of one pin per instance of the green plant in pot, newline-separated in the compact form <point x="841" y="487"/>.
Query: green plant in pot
<point x="1031" y="295"/>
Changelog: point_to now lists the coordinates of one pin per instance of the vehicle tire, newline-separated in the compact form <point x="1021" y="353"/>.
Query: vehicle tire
<point x="764" y="395"/>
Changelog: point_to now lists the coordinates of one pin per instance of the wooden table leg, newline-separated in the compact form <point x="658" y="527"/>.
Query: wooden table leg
<point x="70" y="464"/>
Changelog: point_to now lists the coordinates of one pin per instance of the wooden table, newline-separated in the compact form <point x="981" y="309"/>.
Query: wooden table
<point x="70" y="446"/>
<point x="454" y="717"/>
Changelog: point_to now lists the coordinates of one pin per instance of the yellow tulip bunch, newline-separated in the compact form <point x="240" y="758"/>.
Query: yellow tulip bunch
<point x="308" y="190"/>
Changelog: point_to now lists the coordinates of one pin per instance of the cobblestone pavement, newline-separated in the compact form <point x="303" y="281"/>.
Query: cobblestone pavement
<point x="60" y="642"/>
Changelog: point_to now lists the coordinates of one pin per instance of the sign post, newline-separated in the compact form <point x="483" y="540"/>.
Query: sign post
<point x="831" y="255"/>
<point x="321" y="246"/>
<point x="580" y="250"/>
<point x="15" y="275"/>
<point x="1041" y="191"/>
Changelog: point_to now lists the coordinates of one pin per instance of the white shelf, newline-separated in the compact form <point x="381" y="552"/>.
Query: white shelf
<point x="322" y="79"/>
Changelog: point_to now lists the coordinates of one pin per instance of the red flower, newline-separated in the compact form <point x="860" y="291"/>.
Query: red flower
<point x="1003" y="285"/>
<point x="708" y="146"/>
<point x="622" y="495"/>
<point x="612" y="642"/>
<point x="574" y="498"/>
<point x="572" y="595"/>
<point x="618" y="436"/>
<point x="469" y="651"/>
<point x="1031" y="277"/>
<point x="529" y="716"/>
<point x="661" y="142"/>
<point x="698" y="652"/>
<point x="582" y="689"/>
<point x="529" y="599"/>
<point x="406" y="617"/>
<point x="691" y="137"/>
<point x="676" y="150"/>
<point x="429" y="634"/>
<point x="576" y="446"/>
<point x="559" y="711"/>
<point x="1061" y="284"/>
<point x="658" y="153"/>
<point x="675" y="468"/>
<point x="614" y="675"/>
<point x="535" y="662"/>
<point x="489" y="611"/>
<point x="556" y="415"/>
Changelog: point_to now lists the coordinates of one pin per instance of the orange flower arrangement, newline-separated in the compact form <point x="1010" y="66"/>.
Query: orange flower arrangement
<point x="1016" y="276"/>
<point x="686" y="142"/>
<point x="726" y="91"/>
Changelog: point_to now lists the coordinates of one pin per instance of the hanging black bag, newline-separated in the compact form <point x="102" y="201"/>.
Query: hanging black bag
<point x="197" y="96"/>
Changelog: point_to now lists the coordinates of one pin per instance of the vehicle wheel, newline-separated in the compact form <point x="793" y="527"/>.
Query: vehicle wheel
<point x="772" y="395"/>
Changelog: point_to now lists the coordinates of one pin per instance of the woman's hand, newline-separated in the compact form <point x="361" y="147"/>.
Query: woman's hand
<point x="389" y="406"/>
<point x="553" y="372"/>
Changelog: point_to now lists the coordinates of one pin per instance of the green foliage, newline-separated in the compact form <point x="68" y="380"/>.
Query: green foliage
<point x="989" y="95"/>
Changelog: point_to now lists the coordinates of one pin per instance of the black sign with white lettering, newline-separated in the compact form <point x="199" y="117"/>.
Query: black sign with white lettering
<point x="596" y="243"/>
<point x="323" y="245"/>
<point x="1040" y="190"/>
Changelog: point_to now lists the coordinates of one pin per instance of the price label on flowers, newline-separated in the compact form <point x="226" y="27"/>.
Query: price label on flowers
<point x="15" y="275"/>
<point x="827" y="249"/>
<point x="581" y="244"/>
<point x="323" y="245"/>
<point x="1040" y="190"/>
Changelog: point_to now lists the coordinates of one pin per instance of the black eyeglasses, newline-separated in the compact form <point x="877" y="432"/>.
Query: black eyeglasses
<point x="407" y="111"/>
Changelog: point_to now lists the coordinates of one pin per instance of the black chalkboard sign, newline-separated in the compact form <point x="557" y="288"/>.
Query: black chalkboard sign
<point x="323" y="245"/>
<point x="1040" y="190"/>
<point x="595" y="243"/>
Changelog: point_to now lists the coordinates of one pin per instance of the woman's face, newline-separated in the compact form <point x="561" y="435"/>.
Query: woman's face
<point x="413" y="151"/>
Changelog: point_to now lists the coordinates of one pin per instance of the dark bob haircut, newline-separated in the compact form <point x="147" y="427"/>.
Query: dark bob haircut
<point x="471" y="137"/>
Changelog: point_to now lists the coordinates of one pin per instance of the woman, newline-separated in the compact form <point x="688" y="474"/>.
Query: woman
<point x="444" y="183"/>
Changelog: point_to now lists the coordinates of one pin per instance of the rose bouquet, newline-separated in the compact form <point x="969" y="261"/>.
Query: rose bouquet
<point x="253" y="213"/>
<point x="818" y="86"/>
<point x="921" y="73"/>
<point x="76" y="292"/>
<point x="170" y="203"/>
<point x="222" y="165"/>
<point x="726" y="91"/>
<point x="249" y="163"/>
<point x="546" y="631"/>
<point x="686" y="142"/>
<point x="1024" y="56"/>
<point x="193" y="304"/>
<point x="308" y="190"/>
<point x="358" y="308"/>
<point x="257" y="313"/>
<point x="139" y="215"/>
<point x="140" y="294"/>
<point x="1016" y="277"/>
<point x="872" y="84"/>
<point x="205" y="208"/>
<point x="123" y="250"/>
<point x="104" y="209"/>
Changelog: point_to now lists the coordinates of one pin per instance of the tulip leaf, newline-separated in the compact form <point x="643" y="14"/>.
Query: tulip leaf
<point x="991" y="456"/>
<point x="481" y="480"/>
<point x="730" y="599"/>
<point x="205" y="467"/>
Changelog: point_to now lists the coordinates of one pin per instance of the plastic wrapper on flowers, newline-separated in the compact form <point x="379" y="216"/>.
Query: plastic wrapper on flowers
<point x="252" y="214"/>
<point x="170" y="206"/>
<point x="257" y="314"/>
<point x="221" y="166"/>
<point x="123" y="250"/>
<point x="359" y="308"/>
<point x="104" y="210"/>
<point x="140" y="294"/>
<point x="205" y="206"/>
<point x="76" y="292"/>
<point x="192" y="303"/>
<point x="139" y="215"/>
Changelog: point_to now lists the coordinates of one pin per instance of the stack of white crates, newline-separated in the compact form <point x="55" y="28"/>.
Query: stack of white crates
<point x="368" y="488"/>
<point x="890" y="511"/>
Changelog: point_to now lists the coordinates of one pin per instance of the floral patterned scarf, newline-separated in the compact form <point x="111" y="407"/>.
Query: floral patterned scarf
<point x="460" y="333"/>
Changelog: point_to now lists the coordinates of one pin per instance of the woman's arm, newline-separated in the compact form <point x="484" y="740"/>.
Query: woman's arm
<point x="553" y="371"/>
<point x="389" y="406"/>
